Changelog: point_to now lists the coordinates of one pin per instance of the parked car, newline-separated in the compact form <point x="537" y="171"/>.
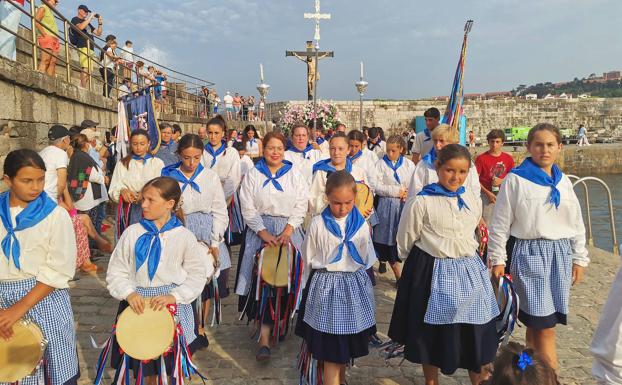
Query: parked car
<point x="516" y="134"/>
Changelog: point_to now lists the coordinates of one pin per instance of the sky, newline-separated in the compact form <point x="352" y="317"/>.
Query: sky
<point x="410" y="47"/>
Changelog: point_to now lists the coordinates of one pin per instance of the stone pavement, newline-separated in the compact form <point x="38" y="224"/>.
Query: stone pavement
<point x="230" y="358"/>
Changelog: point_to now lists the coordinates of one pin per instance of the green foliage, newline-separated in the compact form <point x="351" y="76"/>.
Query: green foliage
<point x="610" y="89"/>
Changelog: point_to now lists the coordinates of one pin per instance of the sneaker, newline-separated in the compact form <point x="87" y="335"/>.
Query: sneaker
<point x="263" y="354"/>
<point x="382" y="268"/>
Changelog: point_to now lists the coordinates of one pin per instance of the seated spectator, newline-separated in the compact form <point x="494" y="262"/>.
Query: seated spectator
<point x="47" y="37"/>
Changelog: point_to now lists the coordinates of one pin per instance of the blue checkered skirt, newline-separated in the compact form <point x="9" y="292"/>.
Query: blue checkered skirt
<point x="236" y="222"/>
<point x="373" y="219"/>
<point x="461" y="293"/>
<point x="186" y="317"/>
<point x="54" y="315"/>
<point x="340" y="302"/>
<point x="201" y="226"/>
<point x="252" y="244"/>
<point x="389" y="211"/>
<point x="542" y="273"/>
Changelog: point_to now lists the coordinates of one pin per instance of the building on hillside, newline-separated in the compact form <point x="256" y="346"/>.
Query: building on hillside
<point x="583" y="96"/>
<point x="498" y="95"/>
<point x="473" y="96"/>
<point x="531" y="96"/>
<point x="612" y="76"/>
<point x="565" y="96"/>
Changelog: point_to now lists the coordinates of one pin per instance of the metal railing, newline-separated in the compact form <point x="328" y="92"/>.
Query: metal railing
<point x="576" y="180"/>
<point x="178" y="101"/>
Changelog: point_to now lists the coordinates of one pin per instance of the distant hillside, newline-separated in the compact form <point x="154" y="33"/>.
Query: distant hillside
<point x="606" y="86"/>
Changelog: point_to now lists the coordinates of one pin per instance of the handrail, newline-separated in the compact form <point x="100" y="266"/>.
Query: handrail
<point x="586" y="194"/>
<point x="616" y="250"/>
<point x="190" y="101"/>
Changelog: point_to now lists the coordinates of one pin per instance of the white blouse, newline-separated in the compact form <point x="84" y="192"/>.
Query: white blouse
<point x="317" y="194"/>
<point x="437" y="226"/>
<point x="522" y="210"/>
<point x="88" y="201"/>
<point x="304" y="163"/>
<point x="320" y="248"/>
<point x="425" y="175"/>
<point x="257" y="200"/>
<point x="227" y="167"/>
<point x="47" y="250"/>
<point x="183" y="262"/>
<point x="380" y="149"/>
<point x="367" y="162"/>
<point x="252" y="149"/>
<point x="135" y="177"/>
<point x="246" y="164"/>
<point x="387" y="184"/>
<point x="211" y="199"/>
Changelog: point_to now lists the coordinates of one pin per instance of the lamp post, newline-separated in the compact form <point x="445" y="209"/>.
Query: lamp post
<point x="361" y="86"/>
<point x="263" y="89"/>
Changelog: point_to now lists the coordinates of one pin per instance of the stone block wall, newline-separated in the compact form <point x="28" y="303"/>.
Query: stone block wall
<point x="602" y="116"/>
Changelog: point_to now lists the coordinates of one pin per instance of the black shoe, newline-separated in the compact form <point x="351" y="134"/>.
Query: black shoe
<point x="382" y="268"/>
<point x="263" y="354"/>
<point x="374" y="340"/>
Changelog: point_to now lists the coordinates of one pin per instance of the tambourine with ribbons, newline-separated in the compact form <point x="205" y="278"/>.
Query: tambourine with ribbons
<point x="22" y="354"/>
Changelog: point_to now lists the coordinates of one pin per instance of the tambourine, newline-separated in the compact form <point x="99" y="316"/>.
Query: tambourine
<point x="21" y="355"/>
<point x="364" y="200"/>
<point x="275" y="265"/>
<point x="145" y="336"/>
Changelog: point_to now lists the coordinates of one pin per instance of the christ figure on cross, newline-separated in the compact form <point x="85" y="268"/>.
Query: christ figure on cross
<point x="308" y="57"/>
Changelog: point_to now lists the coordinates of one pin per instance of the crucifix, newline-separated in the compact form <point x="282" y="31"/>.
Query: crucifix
<point x="309" y="57"/>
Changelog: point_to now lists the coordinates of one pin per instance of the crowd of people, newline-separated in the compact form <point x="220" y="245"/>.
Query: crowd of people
<point x="442" y="222"/>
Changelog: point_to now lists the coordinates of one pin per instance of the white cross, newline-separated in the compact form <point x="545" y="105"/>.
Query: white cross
<point x="317" y="16"/>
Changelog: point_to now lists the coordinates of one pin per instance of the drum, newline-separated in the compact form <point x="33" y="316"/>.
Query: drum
<point x="275" y="266"/>
<point x="21" y="354"/>
<point x="364" y="200"/>
<point x="145" y="336"/>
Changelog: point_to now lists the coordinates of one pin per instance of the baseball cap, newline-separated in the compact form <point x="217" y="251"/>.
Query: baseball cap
<point x="84" y="8"/>
<point x="88" y="123"/>
<point x="57" y="131"/>
<point x="90" y="133"/>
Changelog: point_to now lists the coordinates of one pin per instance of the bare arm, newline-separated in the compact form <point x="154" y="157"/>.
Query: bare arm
<point x="9" y="316"/>
<point x="62" y="181"/>
<point x="99" y="30"/>
<point x="39" y="16"/>
<point x="416" y="157"/>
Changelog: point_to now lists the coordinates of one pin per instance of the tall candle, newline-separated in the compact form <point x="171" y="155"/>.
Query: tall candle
<point x="361" y="70"/>
<point x="261" y="71"/>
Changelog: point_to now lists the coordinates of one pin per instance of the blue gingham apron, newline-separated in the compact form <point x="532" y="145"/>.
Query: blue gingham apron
<point x="54" y="315"/>
<point x="389" y="211"/>
<point x="201" y="226"/>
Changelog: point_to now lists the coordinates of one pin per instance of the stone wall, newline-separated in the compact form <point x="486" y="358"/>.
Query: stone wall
<point x="602" y="116"/>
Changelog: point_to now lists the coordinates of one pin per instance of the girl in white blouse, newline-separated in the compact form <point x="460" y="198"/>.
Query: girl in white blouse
<point x="445" y="308"/>
<point x="537" y="205"/>
<point x="425" y="171"/>
<point x="158" y="258"/>
<point x="337" y="316"/>
<point x="252" y="143"/>
<point x="301" y="152"/>
<point x="339" y="150"/>
<point x="366" y="161"/>
<point x="394" y="172"/>
<point x="37" y="260"/>
<point x="205" y="212"/>
<point x="225" y="161"/>
<point x="375" y="144"/>
<point x="129" y="177"/>
<point x="274" y="203"/>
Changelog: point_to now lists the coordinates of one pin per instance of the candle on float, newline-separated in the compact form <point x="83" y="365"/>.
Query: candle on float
<point x="261" y="71"/>
<point x="361" y="70"/>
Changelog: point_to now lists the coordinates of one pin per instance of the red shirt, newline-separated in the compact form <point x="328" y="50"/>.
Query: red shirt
<point x="489" y="166"/>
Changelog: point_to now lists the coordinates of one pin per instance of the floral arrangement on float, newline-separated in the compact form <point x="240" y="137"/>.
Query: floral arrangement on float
<point x="303" y="112"/>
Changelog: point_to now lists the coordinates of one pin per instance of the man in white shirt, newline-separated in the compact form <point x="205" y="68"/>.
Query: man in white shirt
<point x="127" y="57"/>
<point x="228" y="99"/>
<point x="423" y="144"/>
<point x="56" y="162"/>
<point x="125" y="88"/>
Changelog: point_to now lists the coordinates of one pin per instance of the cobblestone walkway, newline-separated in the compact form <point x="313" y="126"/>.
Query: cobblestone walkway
<point x="230" y="358"/>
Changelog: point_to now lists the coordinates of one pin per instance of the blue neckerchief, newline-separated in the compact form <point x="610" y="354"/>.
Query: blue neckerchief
<point x="356" y="156"/>
<point x="148" y="247"/>
<point x="303" y="151"/>
<point x="430" y="157"/>
<point x="263" y="168"/>
<point x="532" y="172"/>
<point x="320" y="140"/>
<point x="428" y="134"/>
<point x="144" y="158"/>
<point x="174" y="172"/>
<point x="210" y="150"/>
<point x="398" y="164"/>
<point x="327" y="166"/>
<point x="354" y="221"/>
<point x="36" y="211"/>
<point x="252" y="141"/>
<point x="436" y="189"/>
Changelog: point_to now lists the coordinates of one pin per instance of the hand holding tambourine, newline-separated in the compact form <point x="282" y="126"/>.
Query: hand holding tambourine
<point x="212" y="261"/>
